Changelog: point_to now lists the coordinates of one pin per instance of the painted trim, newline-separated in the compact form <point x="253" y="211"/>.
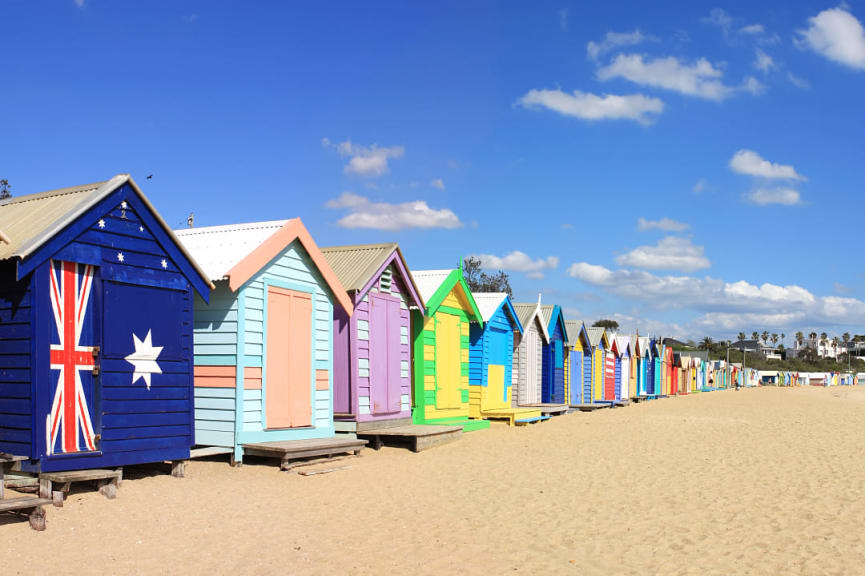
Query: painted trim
<point x="277" y="243"/>
<point x="449" y="283"/>
<point x="322" y="380"/>
<point x="397" y="259"/>
<point x="252" y="378"/>
<point x="240" y="371"/>
<point x="215" y="376"/>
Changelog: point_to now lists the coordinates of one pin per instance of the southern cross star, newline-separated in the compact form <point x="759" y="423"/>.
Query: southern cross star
<point x="144" y="359"/>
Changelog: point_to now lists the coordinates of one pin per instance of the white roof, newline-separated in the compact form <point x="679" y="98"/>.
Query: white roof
<point x="623" y="342"/>
<point x="488" y="303"/>
<point x="428" y="281"/>
<point x="218" y="249"/>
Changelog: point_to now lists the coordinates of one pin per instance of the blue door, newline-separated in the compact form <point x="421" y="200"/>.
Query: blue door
<point x="576" y="361"/>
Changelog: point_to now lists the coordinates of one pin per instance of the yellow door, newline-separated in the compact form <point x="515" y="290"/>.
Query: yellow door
<point x="494" y="398"/>
<point x="448" y="393"/>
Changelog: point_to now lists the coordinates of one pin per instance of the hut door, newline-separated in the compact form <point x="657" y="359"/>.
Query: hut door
<point x="73" y="423"/>
<point x="576" y="376"/>
<point x="448" y="369"/>
<point x="495" y="396"/>
<point x="533" y="364"/>
<point x="384" y="351"/>
<point x="288" y="369"/>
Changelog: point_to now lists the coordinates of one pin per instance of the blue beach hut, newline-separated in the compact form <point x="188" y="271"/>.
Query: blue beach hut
<point x="553" y="389"/>
<point x="95" y="330"/>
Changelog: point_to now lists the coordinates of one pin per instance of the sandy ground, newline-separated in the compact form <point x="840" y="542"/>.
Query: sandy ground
<point x="761" y="481"/>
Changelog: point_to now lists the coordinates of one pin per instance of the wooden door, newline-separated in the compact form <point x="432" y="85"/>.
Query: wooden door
<point x="533" y="365"/>
<point x="448" y="361"/>
<point x="496" y="394"/>
<point x="576" y="374"/>
<point x="384" y="352"/>
<point x="288" y="369"/>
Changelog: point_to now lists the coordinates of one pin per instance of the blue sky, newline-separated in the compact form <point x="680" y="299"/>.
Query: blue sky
<point x="687" y="168"/>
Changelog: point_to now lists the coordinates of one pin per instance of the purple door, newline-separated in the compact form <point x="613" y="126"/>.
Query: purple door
<point x="384" y="352"/>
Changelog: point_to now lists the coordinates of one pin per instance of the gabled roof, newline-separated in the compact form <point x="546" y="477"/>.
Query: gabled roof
<point x="644" y="346"/>
<point x="435" y="285"/>
<point x="552" y="313"/>
<point x="489" y="303"/>
<point x="573" y="327"/>
<point x="237" y="252"/>
<point x="29" y="222"/>
<point x="624" y="344"/>
<point x="598" y="335"/>
<point x="4" y="238"/>
<point x="358" y="266"/>
<point x="529" y="312"/>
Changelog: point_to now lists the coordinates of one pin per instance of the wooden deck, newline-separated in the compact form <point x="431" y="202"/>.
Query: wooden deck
<point x="29" y="507"/>
<point x="590" y="407"/>
<point x="7" y="460"/>
<point x="108" y="481"/>
<point x="548" y="409"/>
<point x="515" y="416"/>
<point x="621" y="403"/>
<point x="417" y="437"/>
<point x="638" y="399"/>
<point x="368" y="427"/>
<point x="291" y="450"/>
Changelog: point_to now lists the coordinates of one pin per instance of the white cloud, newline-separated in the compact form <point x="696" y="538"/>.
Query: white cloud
<point x="836" y="34"/>
<point x="752" y="164"/>
<point x="438" y="183"/>
<point x="700" y="79"/>
<point x="614" y="40"/>
<point x="517" y="261"/>
<point x="670" y="253"/>
<point x="665" y="224"/>
<point x="588" y="106"/>
<point x="798" y="81"/>
<point x="368" y="161"/>
<point x="79" y="3"/>
<point x="701" y="185"/>
<point x="763" y="62"/>
<point x="752" y="29"/>
<point x="766" y="196"/>
<point x="720" y="19"/>
<point x="363" y="213"/>
<point x="563" y="19"/>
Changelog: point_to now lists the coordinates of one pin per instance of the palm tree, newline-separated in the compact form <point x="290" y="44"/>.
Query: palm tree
<point x="774" y="339"/>
<point x="741" y="336"/>
<point x="755" y="336"/>
<point x="823" y="338"/>
<point x="782" y="337"/>
<point x="799" y="338"/>
<point x="706" y="343"/>
<point x="765" y="337"/>
<point x="835" y="342"/>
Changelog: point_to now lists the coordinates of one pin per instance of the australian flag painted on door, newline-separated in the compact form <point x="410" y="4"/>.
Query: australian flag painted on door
<point x="97" y="322"/>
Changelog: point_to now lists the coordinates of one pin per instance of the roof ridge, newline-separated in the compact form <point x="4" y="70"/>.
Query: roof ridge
<point x="51" y="193"/>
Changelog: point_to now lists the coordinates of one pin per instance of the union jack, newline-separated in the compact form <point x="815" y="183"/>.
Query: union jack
<point x="70" y="416"/>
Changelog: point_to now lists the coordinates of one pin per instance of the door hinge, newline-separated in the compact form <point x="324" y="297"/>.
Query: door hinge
<point x="95" y="370"/>
<point x="95" y="351"/>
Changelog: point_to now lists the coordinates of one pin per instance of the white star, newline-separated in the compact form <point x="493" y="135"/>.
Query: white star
<point x="144" y="359"/>
<point x="102" y="223"/>
<point x="123" y="204"/>
<point x="164" y="263"/>
<point x="141" y="228"/>
<point x="120" y="256"/>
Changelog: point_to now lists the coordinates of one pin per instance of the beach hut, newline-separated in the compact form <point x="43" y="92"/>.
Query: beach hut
<point x="623" y="367"/>
<point x="579" y="364"/>
<point x="669" y="362"/>
<point x="633" y="367"/>
<point x="264" y="343"/>
<point x="528" y="354"/>
<point x="553" y="390"/>
<point x="657" y="379"/>
<point x="600" y="346"/>
<point x="441" y="349"/>
<point x="95" y="330"/>
<point x="610" y="356"/>
<point x="371" y="347"/>
<point x="685" y="374"/>
<point x="491" y="355"/>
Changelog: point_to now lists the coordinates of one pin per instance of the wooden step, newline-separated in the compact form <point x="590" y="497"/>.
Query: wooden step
<point x="418" y="437"/>
<point x="206" y="451"/>
<point x="289" y="450"/>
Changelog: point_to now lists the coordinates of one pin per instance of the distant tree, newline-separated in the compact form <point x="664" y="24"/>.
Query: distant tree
<point x="706" y="343"/>
<point x="835" y="342"/>
<point x="5" y="190"/>
<point x="846" y="337"/>
<point x="606" y="323"/>
<point x="755" y="336"/>
<point x="782" y="337"/>
<point x="799" y="338"/>
<point x="812" y="335"/>
<point x="741" y="336"/>
<point x="774" y="339"/>
<point x="481" y="281"/>
<point x="824" y="342"/>
<point x="765" y="337"/>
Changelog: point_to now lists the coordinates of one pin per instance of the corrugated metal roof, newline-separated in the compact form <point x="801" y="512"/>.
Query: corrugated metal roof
<point x="595" y="335"/>
<point x="219" y="248"/>
<point x="355" y="265"/>
<point x="644" y="345"/>
<point x="623" y="341"/>
<point x="428" y="281"/>
<point x="488" y="303"/>
<point x="29" y="220"/>
<point x="525" y="311"/>
<point x="573" y="328"/>
<point x="547" y="311"/>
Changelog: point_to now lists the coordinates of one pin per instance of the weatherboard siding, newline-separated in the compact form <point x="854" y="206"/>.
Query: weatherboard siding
<point x="16" y="390"/>
<point x="495" y="337"/>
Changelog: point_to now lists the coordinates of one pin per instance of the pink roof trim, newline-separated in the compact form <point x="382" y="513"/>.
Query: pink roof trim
<point x="292" y="230"/>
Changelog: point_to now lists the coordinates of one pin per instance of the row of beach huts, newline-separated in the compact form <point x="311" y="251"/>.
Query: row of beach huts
<point x="124" y="342"/>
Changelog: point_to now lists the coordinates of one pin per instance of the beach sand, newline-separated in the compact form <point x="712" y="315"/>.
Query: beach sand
<point x="761" y="481"/>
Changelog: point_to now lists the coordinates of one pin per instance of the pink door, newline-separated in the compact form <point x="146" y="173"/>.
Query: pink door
<point x="384" y="352"/>
<point x="288" y="385"/>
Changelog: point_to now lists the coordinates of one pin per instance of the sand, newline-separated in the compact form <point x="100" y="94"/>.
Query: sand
<point x="761" y="481"/>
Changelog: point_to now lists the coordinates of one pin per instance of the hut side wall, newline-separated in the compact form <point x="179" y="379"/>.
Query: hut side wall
<point x="16" y="377"/>
<point x="496" y="337"/>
